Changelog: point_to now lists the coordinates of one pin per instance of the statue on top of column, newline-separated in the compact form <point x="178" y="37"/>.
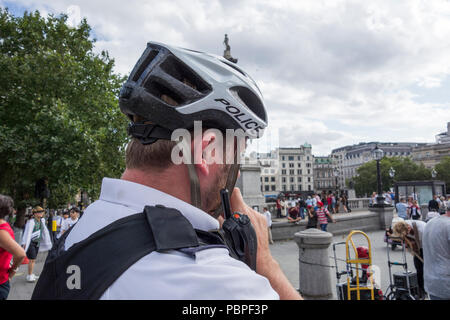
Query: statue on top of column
<point x="227" y="52"/>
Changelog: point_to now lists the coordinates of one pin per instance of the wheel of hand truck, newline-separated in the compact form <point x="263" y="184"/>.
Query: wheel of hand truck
<point x="390" y="296"/>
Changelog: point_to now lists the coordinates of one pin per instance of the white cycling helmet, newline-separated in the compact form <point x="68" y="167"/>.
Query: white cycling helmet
<point x="203" y="87"/>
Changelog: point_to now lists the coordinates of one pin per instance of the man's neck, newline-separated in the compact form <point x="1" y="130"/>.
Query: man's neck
<point x="173" y="180"/>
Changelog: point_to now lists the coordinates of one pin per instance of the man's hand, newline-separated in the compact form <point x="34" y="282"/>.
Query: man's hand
<point x="266" y="265"/>
<point x="259" y="223"/>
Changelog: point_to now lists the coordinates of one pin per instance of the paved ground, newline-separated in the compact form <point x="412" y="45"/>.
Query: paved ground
<point x="285" y="252"/>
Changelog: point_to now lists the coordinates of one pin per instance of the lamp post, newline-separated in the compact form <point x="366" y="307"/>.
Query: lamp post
<point x="336" y="175"/>
<point x="378" y="155"/>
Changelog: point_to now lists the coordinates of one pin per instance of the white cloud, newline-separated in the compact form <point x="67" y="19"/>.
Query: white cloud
<point x="332" y="72"/>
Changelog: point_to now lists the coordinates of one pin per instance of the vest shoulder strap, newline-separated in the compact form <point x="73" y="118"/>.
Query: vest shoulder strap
<point x="90" y="266"/>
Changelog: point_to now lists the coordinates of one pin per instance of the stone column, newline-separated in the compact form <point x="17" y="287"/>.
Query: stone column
<point x="386" y="214"/>
<point x="314" y="262"/>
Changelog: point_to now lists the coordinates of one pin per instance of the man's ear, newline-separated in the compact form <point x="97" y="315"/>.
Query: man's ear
<point x="200" y="145"/>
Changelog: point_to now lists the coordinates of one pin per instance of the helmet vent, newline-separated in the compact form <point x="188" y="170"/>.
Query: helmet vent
<point x="251" y="101"/>
<point x="148" y="59"/>
<point x="183" y="73"/>
<point x="159" y="90"/>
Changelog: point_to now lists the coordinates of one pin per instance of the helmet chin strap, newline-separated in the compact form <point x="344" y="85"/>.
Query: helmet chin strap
<point x="196" y="199"/>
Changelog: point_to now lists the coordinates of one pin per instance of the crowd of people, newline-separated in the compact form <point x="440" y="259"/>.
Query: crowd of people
<point x="23" y="236"/>
<point x="318" y="209"/>
<point x="428" y="240"/>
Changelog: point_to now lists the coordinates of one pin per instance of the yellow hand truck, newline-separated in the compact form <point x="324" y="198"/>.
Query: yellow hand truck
<point x="361" y="286"/>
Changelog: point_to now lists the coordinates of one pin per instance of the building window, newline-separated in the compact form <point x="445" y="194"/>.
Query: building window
<point x="291" y="158"/>
<point x="272" y="187"/>
<point x="283" y="179"/>
<point x="299" y="179"/>
<point x="284" y="187"/>
<point x="292" y="172"/>
<point x="283" y="172"/>
<point x="272" y="179"/>
<point x="266" y="188"/>
<point x="299" y="187"/>
<point x="299" y="158"/>
<point x="309" y="171"/>
<point x="292" y="187"/>
<point x="291" y="179"/>
<point x="309" y="179"/>
<point x="299" y="164"/>
<point x="266" y="179"/>
<point x="299" y="172"/>
<point x="283" y="158"/>
<point x="283" y="165"/>
<point x="291" y="165"/>
<point x="309" y="187"/>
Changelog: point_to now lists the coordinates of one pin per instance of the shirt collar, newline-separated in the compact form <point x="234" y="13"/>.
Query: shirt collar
<point x="137" y="196"/>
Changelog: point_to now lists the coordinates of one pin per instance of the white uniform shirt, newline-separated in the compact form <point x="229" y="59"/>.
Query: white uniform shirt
<point x="210" y="275"/>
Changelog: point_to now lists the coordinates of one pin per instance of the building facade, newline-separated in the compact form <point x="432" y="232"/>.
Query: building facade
<point x="431" y="154"/>
<point x="286" y="171"/>
<point x="324" y="179"/>
<point x="347" y="160"/>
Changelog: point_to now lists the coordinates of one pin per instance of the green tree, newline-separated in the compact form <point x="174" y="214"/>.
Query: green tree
<point x="59" y="114"/>
<point x="443" y="171"/>
<point x="405" y="170"/>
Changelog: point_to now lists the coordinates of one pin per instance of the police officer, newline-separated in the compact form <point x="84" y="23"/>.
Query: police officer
<point x="169" y="89"/>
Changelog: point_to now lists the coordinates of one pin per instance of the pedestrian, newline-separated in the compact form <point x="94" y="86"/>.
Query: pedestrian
<point x="402" y="209"/>
<point x="442" y="205"/>
<point x="433" y="204"/>
<point x="344" y="203"/>
<point x="59" y="220"/>
<point x="337" y="203"/>
<point x="36" y="238"/>
<point x="302" y="207"/>
<point x="11" y="253"/>
<point x="284" y="207"/>
<point x="333" y="203"/>
<point x="373" y="199"/>
<point x="294" y="215"/>
<point x="329" y="202"/>
<point x="278" y="205"/>
<point x="19" y="224"/>
<point x="176" y="207"/>
<point x="69" y="222"/>
<point x="309" y="201"/>
<point x="411" y="232"/>
<point x="436" y="254"/>
<point x="312" y="217"/>
<point x="322" y="214"/>
<point x="414" y="211"/>
<point x="268" y="216"/>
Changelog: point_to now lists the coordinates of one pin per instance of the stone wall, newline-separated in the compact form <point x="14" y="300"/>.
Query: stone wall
<point x="364" y="221"/>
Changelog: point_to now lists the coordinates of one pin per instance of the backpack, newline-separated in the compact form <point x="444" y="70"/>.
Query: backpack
<point x="88" y="268"/>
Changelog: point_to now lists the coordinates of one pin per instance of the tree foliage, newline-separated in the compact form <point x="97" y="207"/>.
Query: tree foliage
<point x="443" y="172"/>
<point x="405" y="170"/>
<point x="59" y="114"/>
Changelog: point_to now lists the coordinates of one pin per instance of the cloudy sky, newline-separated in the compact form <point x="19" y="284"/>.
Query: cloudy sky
<point x="332" y="73"/>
